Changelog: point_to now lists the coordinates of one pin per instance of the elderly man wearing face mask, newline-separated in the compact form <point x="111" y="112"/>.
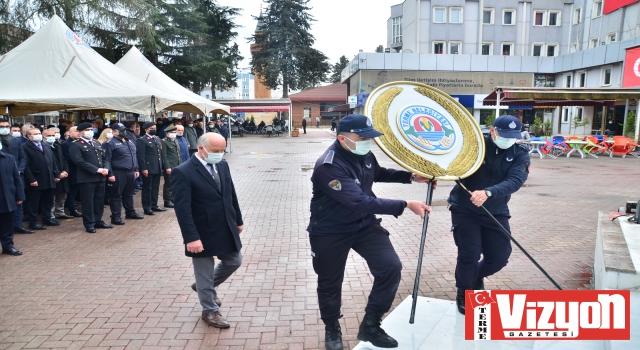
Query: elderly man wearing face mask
<point x="41" y="176"/>
<point x="52" y="138"/>
<point x="504" y="169"/>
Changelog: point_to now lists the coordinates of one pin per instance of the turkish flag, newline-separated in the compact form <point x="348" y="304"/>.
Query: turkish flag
<point x="631" y="76"/>
<point x="480" y="298"/>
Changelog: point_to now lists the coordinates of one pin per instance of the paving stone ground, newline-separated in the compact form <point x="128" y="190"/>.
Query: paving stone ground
<point x="129" y="287"/>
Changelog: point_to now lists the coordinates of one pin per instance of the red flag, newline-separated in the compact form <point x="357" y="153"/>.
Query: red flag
<point x="479" y="298"/>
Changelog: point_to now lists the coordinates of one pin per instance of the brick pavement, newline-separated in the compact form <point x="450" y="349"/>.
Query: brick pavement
<point x="128" y="288"/>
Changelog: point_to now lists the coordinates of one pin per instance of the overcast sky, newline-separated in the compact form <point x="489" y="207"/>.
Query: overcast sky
<point x="342" y="27"/>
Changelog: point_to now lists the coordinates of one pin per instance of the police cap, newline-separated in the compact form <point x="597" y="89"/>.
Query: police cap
<point x="118" y="126"/>
<point x="508" y="126"/>
<point x="358" y="124"/>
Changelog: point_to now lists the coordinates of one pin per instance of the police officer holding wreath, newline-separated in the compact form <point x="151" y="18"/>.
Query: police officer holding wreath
<point x="148" y="148"/>
<point x="343" y="217"/>
<point x="92" y="171"/>
<point x="120" y="153"/>
<point x="504" y="170"/>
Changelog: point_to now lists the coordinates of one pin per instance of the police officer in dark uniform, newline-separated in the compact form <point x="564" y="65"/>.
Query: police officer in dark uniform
<point x="70" y="202"/>
<point x="343" y="211"/>
<point x="170" y="159"/>
<point x="92" y="171"/>
<point x="120" y="154"/>
<point x="148" y="149"/>
<point x="504" y="170"/>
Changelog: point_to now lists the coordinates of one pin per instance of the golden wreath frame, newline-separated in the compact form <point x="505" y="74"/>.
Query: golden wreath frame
<point x="468" y="159"/>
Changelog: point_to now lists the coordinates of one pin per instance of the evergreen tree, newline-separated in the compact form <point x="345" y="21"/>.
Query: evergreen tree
<point x="342" y="63"/>
<point x="283" y="53"/>
<point x="379" y="48"/>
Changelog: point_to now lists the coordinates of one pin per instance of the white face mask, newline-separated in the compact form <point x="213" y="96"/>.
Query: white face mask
<point x="16" y="134"/>
<point x="171" y="136"/>
<point x="50" y="139"/>
<point x="37" y="138"/>
<point x="88" y="134"/>
<point x="109" y="135"/>
<point x="57" y="136"/>
<point x="5" y="131"/>
<point x="503" y="142"/>
<point x="362" y="147"/>
<point x="213" y="158"/>
<point x="191" y="125"/>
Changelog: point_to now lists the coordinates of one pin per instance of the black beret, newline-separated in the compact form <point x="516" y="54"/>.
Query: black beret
<point x="147" y="125"/>
<point x="84" y="126"/>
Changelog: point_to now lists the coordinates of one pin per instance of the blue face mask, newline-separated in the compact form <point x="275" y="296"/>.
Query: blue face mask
<point x="362" y="147"/>
<point x="503" y="142"/>
<point x="95" y="130"/>
<point x="213" y="158"/>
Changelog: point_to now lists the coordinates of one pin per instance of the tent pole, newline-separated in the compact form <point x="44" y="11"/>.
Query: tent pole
<point x="290" y="123"/>
<point x="604" y="119"/>
<point x="497" y="103"/>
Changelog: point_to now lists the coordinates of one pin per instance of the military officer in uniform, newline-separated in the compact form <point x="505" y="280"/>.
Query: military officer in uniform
<point x="170" y="159"/>
<point x="92" y="171"/>
<point x="120" y="154"/>
<point x="343" y="211"/>
<point x="148" y="149"/>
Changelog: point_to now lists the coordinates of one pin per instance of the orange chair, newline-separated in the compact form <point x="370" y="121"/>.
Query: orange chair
<point x="620" y="147"/>
<point x="633" y="147"/>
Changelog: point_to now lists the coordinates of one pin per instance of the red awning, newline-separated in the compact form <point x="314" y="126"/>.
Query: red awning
<point x="260" y="108"/>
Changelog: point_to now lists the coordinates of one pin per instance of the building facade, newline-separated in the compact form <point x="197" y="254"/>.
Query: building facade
<point x="466" y="48"/>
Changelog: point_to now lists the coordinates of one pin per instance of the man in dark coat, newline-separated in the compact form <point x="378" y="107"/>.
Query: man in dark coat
<point x="11" y="196"/>
<point x="12" y="145"/>
<point x="70" y="201"/>
<point x="210" y="220"/>
<point x="87" y="155"/>
<point x="304" y="125"/>
<point x="170" y="159"/>
<point x="41" y="175"/>
<point x="148" y="151"/>
<point x="52" y="139"/>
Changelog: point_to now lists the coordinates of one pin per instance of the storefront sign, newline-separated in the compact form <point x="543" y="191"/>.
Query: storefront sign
<point x="631" y="77"/>
<point x="612" y="5"/>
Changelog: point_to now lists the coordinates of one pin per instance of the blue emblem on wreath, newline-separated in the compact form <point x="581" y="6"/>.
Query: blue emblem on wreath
<point x="427" y="129"/>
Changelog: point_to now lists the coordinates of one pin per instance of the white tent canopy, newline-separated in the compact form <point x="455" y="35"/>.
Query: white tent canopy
<point x="54" y="69"/>
<point x="139" y="66"/>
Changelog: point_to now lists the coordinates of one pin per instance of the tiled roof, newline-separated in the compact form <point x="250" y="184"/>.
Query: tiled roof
<point x="330" y="93"/>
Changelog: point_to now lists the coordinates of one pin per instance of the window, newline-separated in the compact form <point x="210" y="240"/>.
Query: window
<point x="538" y="49"/>
<point x="396" y="28"/>
<point x="438" y="47"/>
<point x="577" y="16"/>
<point x="455" y="47"/>
<point x="439" y="15"/>
<point x="538" y="18"/>
<point x="487" y="49"/>
<point x="455" y="15"/>
<point x="565" y="115"/>
<point x="593" y="42"/>
<point x="552" y="50"/>
<point x="578" y="114"/>
<point x="606" y="76"/>
<point x="307" y="112"/>
<point x="597" y="8"/>
<point x="487" y="16"/>
<point x="611" y="38"/>
<point x="567" y="80"/>
<point x="507" y="49"/>
<point x="554" y="18"/>
<point x="582" y="79"/>
<point x="508" y="17"/>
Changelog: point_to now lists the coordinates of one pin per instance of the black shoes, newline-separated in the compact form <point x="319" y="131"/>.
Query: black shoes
<point x="76" y="214"/>
<point x="64" y="217"/>
<point x="149" y="212"/>
<point x="460" y="300"/>
<point x="52" y="222"/>
<point x="11" y="251"/>
<point x="117" y="221"/>
<point x="37" y="227"/>
<point x="134" y="216"/>
<point x="333" y="336"/>
<point x="102" y="225"/>
<point x="21" y="229"/>
<point x="91" y="230"/>
<point x="158" y="209"/>
<point x="370" y="331"/>
<point x="479" y="284"/>
<point x="169" y="204"/>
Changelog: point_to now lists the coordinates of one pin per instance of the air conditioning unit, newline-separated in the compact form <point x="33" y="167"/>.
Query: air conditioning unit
<point x="387" y="50"/>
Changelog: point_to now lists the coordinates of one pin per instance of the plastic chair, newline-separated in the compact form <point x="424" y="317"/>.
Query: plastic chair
<point x="620" y="147"/>
<point x="593" y="147"/>
<point x="268" y="130"/>
<point x="278" y="130"/>
<point x="235" y="131"/>
<point x="559" y="140"/>
<point x="550" y="149"/>
<point x="633" y="146"/>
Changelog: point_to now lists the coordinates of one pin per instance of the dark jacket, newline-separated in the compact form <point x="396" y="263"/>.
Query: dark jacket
<point x="88" y="159"/>
<point x="343" y="202"/>
<point x="120" y="155"/>
<point x="16" y="150"/>
<point x="10" y="184"/>
<point x="205" y="212"/>
<point x="73" y="170"/>
<point x="502" y="173"/>
<point x="148" y="151"/>
<point x="184" y="149"/>
<point x="61" y="162"/>
<point x="170" y="153"/>
<point x="41" y="167"/>
<point x="304" y="122"/>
